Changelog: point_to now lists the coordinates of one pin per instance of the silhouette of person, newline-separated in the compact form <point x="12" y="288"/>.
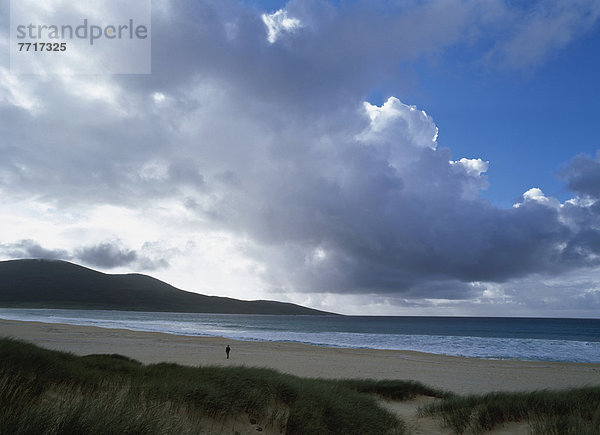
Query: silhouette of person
<point x="227" y="350"/>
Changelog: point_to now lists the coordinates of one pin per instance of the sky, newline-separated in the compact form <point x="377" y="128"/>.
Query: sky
<point x="363" y="157"/>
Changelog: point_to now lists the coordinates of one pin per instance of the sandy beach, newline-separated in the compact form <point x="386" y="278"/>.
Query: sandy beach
<point x="460" y="375"/>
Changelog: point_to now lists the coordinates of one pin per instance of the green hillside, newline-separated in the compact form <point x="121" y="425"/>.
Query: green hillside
<point x="60" y="284"/>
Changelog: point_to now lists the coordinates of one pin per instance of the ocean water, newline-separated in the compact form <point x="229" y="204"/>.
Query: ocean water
<point x="574" y="340"/>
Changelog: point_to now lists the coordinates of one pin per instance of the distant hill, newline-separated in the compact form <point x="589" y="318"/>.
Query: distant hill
<point x="60" y="284"/>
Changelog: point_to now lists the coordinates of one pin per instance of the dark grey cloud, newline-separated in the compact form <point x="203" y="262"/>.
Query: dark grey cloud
<point x="107" y="255"/>
<point x="380" y="237"/>
<point x="583" y="248"/>
<point x="32" y="249"/>
<point x="583" y="175"/>
<point x="112" y="254"/>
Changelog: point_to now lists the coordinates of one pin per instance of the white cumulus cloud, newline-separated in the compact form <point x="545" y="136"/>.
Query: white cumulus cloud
<point x="474" y="167"/>
<point x="279" y="23"/>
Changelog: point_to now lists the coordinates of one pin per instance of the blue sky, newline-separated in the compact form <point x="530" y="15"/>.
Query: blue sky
<point x="527" y="122"/>
<point x="371" y="157"/>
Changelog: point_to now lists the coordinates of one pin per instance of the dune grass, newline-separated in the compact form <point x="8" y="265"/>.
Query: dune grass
<point x="574" y="411"/>
<point x="398" y="390"/>
<point x="50" y="392"/>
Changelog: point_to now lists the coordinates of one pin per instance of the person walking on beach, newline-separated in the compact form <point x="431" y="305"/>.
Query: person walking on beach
<point x="227" y="350"/>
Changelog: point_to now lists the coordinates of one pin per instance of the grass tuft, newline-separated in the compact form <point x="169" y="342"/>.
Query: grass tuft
<point x="393" y="389"/>
<point x="575" y="411"/>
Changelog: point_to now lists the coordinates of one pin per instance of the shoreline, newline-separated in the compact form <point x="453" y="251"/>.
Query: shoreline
<point x="457" y="374"/>
<point x="542" y="341"/>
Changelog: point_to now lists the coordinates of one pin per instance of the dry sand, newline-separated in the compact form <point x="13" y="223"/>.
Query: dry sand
<point x="460" y="375"/>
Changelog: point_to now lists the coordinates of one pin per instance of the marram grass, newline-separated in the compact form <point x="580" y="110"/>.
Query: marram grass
<point x="50" y="392"/>
<point x="574" y="411"/>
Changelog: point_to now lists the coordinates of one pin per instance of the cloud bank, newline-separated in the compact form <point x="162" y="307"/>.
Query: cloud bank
<point x="251" y="155"/>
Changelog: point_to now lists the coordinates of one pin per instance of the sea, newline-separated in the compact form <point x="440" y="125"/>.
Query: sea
<point x="532" y="339"/>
